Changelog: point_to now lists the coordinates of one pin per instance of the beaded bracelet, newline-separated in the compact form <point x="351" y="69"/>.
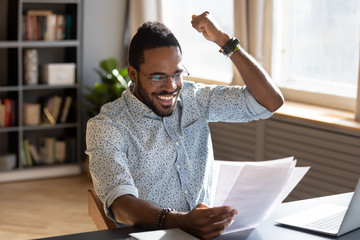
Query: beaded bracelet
<point x="230" y="47"/>
<point x="237" y="48"/>
<point x="162" y="216"/>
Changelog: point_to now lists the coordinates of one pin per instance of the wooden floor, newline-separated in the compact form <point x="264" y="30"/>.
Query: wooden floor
<point x="44" y="208"/>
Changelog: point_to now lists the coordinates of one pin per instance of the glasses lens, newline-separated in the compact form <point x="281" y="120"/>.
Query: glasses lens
<point x="160" y="80"/>
<point x="157" y="78"/>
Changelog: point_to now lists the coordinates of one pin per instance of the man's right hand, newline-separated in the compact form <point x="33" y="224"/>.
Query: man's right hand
<point x="211" y="30"/>
<point x="202" y="221"/>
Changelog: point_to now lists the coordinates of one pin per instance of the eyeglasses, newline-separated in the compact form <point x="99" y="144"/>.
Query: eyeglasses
<point x="159" y="80"/>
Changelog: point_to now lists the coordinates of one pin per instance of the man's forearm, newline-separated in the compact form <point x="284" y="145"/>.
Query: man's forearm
<point x="257" y="80"/>
<point x="130" y="210"/>
<point x="202" y="221"/>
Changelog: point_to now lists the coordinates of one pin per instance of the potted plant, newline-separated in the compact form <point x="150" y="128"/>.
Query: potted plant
<point x="113" y="82"/>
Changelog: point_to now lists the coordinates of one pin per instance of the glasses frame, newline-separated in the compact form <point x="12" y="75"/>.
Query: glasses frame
<point x="160" y="83"/>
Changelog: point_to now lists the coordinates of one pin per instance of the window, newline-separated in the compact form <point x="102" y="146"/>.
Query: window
<point x="316" y="50"/>
<point x="200" y="56"/>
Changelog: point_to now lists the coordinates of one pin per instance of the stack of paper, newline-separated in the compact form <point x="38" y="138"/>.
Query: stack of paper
<point x="169" y="234"/>
<point x="254" y="188"/>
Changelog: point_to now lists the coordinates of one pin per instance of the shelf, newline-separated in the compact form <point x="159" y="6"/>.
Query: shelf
<point x="45" y="44"/>
<point x="50" y="127"/>
<point x="27" y="102"/>
<point x="52" y="1"/>
<point x="9" y="88"/>
<point x="9" y="129"/>
<point x="48" y="87"/>
<point x="39" y="44"/>
<point x="39" y="172"/>
<point x="9" y="44"/>
<point x="36" y="87"/>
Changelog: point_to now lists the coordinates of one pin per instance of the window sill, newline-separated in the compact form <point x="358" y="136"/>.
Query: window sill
<point x="321" y="115"/>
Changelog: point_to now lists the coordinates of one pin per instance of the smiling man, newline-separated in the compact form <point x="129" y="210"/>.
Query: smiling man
<point x="150" y="150"/>
<point x="157" y="92"/>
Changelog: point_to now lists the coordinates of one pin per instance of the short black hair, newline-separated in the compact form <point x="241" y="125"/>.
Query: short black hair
<point x="150" y="35"/>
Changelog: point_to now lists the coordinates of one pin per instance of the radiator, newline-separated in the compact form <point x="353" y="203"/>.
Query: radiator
<point x="334" y="156"/>
<point x="234" y="141"/>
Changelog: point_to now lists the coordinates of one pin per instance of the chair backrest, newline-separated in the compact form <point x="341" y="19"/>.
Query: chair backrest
<point x="97" y="213"/>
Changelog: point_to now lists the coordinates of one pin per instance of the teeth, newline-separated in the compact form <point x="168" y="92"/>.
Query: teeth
<point x="166" y="98"/>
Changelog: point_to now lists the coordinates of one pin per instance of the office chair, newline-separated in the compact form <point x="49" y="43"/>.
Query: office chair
<point x="97" y="213"/>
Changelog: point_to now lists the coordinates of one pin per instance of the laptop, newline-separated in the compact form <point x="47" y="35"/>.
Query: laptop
<point x="330" y="219"/>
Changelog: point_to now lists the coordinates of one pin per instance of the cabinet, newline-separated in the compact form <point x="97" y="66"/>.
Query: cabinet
<point x="14" y="43"/>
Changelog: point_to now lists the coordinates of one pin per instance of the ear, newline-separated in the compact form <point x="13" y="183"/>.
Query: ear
<point x="132" y="72"/>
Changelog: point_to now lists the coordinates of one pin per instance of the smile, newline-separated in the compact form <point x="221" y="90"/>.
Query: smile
<point x="166" y="98"/>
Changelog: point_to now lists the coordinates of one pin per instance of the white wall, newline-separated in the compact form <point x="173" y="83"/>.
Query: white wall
<point x="103" y="33"/>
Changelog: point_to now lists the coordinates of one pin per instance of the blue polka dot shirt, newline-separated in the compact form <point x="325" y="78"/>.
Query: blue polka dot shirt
<point x="165" y="160"/>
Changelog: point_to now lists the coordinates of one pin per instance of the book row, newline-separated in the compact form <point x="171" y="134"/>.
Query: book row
<point x="51" y="110"/>
<point x="46" y="25"/>
<point x="48" y="151"/>
<point x="55" y="110"/>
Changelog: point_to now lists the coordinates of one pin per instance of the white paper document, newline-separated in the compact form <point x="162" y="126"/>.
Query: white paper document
<point x="254" y="188"/>
<point x="168" y="234"/>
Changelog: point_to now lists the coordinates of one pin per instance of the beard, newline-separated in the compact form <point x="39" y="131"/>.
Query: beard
<point x="164" y="111"/>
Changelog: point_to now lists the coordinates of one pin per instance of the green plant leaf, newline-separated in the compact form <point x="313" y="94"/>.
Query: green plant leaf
<point x="116" y="73"/>
<point x="123" y="72"/>
<point x="113" y="83"/>
<point x="109" y="64"/>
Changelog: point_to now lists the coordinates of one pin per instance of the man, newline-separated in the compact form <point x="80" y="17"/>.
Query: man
<point x="150" y="150"/>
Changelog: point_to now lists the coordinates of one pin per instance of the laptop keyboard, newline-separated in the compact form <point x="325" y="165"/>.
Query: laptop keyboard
<point x="328" y="224"/>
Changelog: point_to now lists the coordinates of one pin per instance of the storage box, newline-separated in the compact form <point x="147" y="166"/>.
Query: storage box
<point x="58" y="73"/>
<point x="31" y="113"/>
<point x="7" y="161"/>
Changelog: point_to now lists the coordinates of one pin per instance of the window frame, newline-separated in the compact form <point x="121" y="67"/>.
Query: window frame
<point x="312" y="98"/>
<point x="307" y="97"/>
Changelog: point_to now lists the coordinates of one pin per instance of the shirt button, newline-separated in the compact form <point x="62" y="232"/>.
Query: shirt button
<point x="186" y="191"/>
<point x="177" y="143"/>
<point x="178" y="166"/>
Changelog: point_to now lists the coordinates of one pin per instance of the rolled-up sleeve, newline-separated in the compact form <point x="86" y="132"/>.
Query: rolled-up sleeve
<point x="108" y="162"/>
<point x="225" y="104"/>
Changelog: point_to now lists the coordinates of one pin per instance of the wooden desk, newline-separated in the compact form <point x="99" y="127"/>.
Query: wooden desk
<point x="268" y="230"/>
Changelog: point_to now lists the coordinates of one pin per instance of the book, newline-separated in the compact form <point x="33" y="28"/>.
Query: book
<point x="34" y="154"/>
<point x="168" y="234"/>
<point x="47" y="148"/>
<point x="13" y="112"/>
<point x="60" y="151"/>
<point x="36" y="22"/>
<point x="28" y="159"/>
<point x="8" y="111"/>
<point x="55" y="108"/>
<point x="51" y="110"/>
<point x="22" y="158"/>
<point x="60" y="27"/>
<point x="47" y="117"/>
<point x="2" y="115"/>
<point x="65" y="109"/>
<point x="68" y="27"/>
<point x="44" y="25"/>
<point x="39" y="12"/>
